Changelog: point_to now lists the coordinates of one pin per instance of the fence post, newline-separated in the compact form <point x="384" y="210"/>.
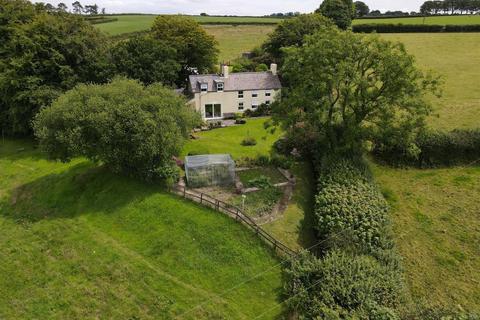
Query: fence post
<point x="201" y="198"/>
<point x="184" y="191"/>
<point x="236" y="217"/>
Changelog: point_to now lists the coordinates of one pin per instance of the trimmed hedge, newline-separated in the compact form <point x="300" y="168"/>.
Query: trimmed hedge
<point x="343" y="286"/>
<point x="413" y="28"/>
<point x="437" y="148"/>
<point x="396" y="28"/>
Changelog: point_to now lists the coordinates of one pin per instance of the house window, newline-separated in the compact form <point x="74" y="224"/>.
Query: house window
<point x="240" y="94"/>
<point x="213" y="111"/>
<point x="254" y="95"/>
<point x="268" y="94"/>
<point x="267" y="102"/>
<point x="219" y="86"/>
<point x="240" y="106"/>
<point x="204" y="87"/>
<point x="254" y="105"/>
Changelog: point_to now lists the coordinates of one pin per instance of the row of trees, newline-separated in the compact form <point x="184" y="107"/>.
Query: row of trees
<point x="450" y="7"/>
<point x="44" y="54"/>
<point x="77" y="8"/>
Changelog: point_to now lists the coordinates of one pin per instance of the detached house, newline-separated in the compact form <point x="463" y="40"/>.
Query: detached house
<point x="221" y="96"/>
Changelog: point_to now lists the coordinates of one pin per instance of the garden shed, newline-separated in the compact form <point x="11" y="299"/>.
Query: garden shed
<point x="210" y="170"/>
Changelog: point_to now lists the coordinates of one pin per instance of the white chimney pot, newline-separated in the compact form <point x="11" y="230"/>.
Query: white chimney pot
<point x="225" y="71"/>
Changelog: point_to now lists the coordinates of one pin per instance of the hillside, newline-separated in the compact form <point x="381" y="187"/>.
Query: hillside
<point x="83" y="243"/>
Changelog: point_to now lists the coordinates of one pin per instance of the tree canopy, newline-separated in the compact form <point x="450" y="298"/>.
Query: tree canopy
<point x="345" y="89"/>
<point x="291" y="32"/>
<point x="340" y="11"/>
<point x="43" y="54"/>
<point x="361" y="9"/>
<point x="133" y="129"/>
<point x="146" y="59"/>
<point x="195" y="48"/>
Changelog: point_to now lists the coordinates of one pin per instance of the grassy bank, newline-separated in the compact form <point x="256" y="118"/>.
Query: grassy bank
<point x="80" y="242"/>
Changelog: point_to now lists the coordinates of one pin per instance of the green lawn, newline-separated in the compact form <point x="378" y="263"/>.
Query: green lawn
<point x="228" y="140"/>
<point x="79" y="242"/>
<point x="135" y="23"/>
<point x="436" y="217"/>
<point x="443" y="20"/>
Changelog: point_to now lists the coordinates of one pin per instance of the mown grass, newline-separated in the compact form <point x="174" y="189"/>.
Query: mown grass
<point x="436" y="216"/>
<point x="79" y="242"/>
<point x="136" y="23"/>
<point x="228" y="140"/>
<point x="441" y="20"/>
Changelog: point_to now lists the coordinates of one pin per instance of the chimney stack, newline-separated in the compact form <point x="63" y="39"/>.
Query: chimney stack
<point x="273" y="69"/>
<point x="225" y="71"/>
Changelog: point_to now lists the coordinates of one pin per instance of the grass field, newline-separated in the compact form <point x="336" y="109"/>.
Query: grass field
<point x="234" y="40"/>
<point x="135" y="23"/>
<point x="437" y="227"/>
<point x="442" y="20"/>
<point x="79" y="242"/>
<point x="455" y="57"/>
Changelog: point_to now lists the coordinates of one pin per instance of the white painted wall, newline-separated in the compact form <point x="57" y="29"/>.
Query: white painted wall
<point x="230" y="100"/>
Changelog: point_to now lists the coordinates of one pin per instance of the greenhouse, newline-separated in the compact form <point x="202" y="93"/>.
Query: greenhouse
<point x="210" y="170"/>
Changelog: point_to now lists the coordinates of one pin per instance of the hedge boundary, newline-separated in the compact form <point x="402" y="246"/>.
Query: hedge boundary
<point x="413" y="28"/>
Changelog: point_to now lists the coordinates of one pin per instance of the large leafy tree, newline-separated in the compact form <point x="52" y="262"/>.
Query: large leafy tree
<point x="361" y="9"/>
<point x="340" y="11"/>
<point x="146" y="59"/>
<point x="345" y="89"/>
<point x="195" y="48"/>
<point x="291" y="32"/>
<point x="132" y="129"/>
<point x="44" y="54"/>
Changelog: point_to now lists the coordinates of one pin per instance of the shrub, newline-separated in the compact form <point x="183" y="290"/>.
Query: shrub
<point x="249" y="141"/>
<point x="281" y="161"/>
<point x="343" y="286"/>
<point x="134" y="130"/>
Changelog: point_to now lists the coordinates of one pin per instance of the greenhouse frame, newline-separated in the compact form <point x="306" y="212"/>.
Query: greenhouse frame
<point x="209" y="170"/>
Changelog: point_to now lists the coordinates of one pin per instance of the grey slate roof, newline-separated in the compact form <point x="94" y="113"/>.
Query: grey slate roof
<point x="241" y="81"/>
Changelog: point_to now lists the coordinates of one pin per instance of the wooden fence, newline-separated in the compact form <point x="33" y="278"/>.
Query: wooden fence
<point x="235" y="213"/>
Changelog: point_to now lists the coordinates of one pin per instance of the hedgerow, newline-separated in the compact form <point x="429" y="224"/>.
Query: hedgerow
<point x="359" y="274"/>
<point x="436" y="148"/>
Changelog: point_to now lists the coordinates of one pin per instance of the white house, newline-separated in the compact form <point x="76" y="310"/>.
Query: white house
<point x="218" y="96"/>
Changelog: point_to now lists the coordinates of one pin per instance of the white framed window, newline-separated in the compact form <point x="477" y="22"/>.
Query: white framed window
<point x="240" y="106"/>
<point x="268" y="102"/>
<point x="213" y="111"/>
<point x="254" y="95"/>
<point x="204" y="87"/>
<point x="268" y="94"/>
<point x="219" y="86"/>
<point x="240" y="94"/>
<point x="254" y="105"/>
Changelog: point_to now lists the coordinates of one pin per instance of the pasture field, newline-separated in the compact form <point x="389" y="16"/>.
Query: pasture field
<point x="79" y="242"/>
<point x="136" y="23"/>
<point x="440" y="20"/>
<point x="234" y="40"/>
<point x="436" y="216"/>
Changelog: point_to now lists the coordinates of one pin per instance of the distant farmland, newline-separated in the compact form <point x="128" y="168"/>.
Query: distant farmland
<point x="441" y="20"/>
<point x="136" y="23"/>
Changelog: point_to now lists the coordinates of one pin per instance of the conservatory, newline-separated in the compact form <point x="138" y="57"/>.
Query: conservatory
<point x="210" y="170"/>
